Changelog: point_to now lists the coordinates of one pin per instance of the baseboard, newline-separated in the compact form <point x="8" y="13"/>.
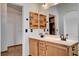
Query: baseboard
<point x="15" y="45"/>
<point x="4" y="51"/>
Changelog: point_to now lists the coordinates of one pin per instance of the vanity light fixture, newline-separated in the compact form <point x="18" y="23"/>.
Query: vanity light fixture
<point x="48" y="5"/>
<point x="45" y="5"/>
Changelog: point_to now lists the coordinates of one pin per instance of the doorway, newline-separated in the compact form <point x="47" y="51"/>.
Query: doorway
<point x="51" y="24"/>
<point x="13" y="40"/>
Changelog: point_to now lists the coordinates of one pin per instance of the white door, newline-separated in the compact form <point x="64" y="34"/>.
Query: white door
<point x="71" y="25"/>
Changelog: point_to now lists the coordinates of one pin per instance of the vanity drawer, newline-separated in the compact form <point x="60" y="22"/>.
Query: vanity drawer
<point x="42" y="44"/>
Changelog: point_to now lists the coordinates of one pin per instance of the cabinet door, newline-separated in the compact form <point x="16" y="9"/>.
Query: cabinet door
<point x="33" y="20"/>
<point x="33" y="47"/>
<point x="55" y="50"/>
<point x="42" y="21"/>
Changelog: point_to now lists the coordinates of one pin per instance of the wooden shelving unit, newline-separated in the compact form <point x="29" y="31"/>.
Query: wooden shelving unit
<point x="42" y="21"/>
<point x="34" y="20"/>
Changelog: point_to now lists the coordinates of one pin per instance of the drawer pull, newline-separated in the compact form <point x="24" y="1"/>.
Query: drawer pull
<point x="73" y="48"/>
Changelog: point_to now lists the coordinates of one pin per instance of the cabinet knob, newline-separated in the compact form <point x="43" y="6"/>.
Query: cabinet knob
<point x="73" y="48"/>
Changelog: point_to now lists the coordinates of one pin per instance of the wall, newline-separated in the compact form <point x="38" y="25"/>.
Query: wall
<point x="64" y="8"/>
<point x="25" y="41"/>
<point x="78" y="24"/>
<point x="11" y="26"/>
<point x="69" y="24"/>
<point x="0" y="29"/>
<point x="3" y="27"/>
<point x="14" y="22"/>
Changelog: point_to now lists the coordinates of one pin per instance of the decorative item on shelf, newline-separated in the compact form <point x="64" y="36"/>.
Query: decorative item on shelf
<point x="31" y="30"/>
<point x="44" y="30"/>
<point x="47" y="30"/>
<point x="46" y="21"/>
<point x="73" y="48"/>
<point x="26" y="30"/>
<point x="46" y="33"/>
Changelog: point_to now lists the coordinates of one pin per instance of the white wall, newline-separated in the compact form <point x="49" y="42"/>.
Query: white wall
<point x="78" y="24"/>
<point x="64" y="8"/>
<point x="11" y="27"/>
<point x="0" y="29"/>
<point x="71" y="25"/>
<point x="14" y="22"/>
<point x="25" y="25"/>
<point x="3" y="27"/>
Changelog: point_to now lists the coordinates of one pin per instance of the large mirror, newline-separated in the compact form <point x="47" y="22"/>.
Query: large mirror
<point x="66" y="19"/>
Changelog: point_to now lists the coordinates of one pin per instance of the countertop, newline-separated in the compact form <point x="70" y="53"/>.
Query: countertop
<point x="56" y="39"/>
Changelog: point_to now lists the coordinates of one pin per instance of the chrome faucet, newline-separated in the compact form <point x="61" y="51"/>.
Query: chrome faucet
<point x="64" y="38"/>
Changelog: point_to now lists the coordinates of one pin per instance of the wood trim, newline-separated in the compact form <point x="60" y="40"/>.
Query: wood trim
<point x="15" y="45"/>
<point x="4" y="51"/>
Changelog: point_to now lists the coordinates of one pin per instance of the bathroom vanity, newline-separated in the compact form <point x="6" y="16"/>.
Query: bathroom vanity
<point x="52" y="46"/>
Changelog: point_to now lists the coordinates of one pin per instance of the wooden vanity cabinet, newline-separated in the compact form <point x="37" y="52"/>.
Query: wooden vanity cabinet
<point x="33" y="47"/>
<point x="55" y="50"/>
<point x="42" y="48"/>
<point x="45" y="48"/>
